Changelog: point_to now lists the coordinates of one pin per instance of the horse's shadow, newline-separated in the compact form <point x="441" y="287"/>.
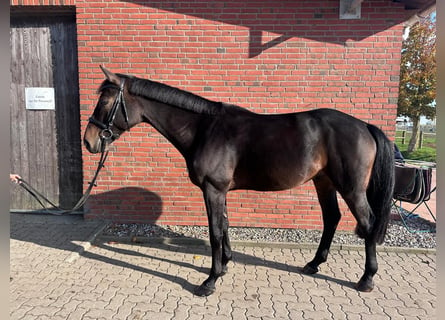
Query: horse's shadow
<point x="199" y="247"/>
<point x="66" y="232"/>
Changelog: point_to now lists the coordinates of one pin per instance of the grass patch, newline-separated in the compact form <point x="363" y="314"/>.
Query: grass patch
<point x="426" y="153"/>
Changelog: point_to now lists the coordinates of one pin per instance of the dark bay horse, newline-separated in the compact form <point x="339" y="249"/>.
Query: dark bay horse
<point x="227" y="147"/>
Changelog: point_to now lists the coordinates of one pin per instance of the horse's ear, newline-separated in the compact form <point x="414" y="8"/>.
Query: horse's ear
<point x="112" y="77"/>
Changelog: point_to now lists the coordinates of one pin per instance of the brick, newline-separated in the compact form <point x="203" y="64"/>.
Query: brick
<point x="268" y="61"/>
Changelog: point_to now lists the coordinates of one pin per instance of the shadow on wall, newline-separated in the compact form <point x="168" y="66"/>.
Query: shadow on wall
<point x="140" y="205"/>
<point x="315" y="20"/>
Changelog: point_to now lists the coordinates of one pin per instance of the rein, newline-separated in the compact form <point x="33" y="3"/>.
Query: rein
<point x="60" y="211"/>
<point x="106" y="135"/>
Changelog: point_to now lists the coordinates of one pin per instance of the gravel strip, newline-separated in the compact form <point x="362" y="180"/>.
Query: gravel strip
<point x="397" y="236"/>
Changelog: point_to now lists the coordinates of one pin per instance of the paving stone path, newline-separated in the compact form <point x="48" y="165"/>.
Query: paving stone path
<point x="58" y="272"/>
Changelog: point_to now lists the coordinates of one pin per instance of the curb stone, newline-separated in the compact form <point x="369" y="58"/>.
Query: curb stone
<point x="85" y="245"/>
<point x="260" y="244"/>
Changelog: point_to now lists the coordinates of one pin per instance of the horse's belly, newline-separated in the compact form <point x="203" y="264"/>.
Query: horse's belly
<point x="277" y="174"/>
<point x="269" y="181"/>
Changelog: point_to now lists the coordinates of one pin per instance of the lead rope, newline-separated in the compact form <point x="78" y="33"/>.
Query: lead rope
<point x="106" y="135"/>
<point x="60" y="211"/>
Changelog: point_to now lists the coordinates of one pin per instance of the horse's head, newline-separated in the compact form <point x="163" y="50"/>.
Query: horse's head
<point x="110" y="117"/>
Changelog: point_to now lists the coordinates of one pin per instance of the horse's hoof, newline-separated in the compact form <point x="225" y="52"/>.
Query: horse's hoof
<point x="364" y="286"/>
<point x="204" y="290"/>
<point x="308" y="269"/>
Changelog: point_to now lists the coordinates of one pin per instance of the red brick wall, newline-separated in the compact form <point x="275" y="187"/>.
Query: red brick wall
<point x="43" y="3"/>
<point x="267" y="56"/>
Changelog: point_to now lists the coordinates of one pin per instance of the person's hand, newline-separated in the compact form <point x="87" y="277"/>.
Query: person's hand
<point x="14" y="178"/>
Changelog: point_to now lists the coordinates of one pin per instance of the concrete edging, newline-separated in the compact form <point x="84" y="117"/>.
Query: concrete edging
<point x="85" y="245"/>
<point x="283" y="245"/>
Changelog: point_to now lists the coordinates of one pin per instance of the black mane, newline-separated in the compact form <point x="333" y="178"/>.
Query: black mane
<point x="173" y="96"/>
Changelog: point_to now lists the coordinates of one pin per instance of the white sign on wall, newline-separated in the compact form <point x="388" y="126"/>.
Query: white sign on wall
<point x="350" y="9"/>
<point x="39" y="98"/>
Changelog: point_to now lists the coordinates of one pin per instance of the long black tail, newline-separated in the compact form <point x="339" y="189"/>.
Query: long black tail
<point x="381" y="186"/>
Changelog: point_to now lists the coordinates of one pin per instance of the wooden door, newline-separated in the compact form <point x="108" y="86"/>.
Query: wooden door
<point x="45" y="143"/>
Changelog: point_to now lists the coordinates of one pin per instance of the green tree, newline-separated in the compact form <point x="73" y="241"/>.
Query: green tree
<point x="417" y="92"/>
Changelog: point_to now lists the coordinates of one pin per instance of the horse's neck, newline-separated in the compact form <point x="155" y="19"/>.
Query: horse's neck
<point x="177" y="125"/>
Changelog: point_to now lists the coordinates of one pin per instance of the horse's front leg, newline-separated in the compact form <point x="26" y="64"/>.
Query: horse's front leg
<point x="215" y="204"/>
<point x="227" y="249"/>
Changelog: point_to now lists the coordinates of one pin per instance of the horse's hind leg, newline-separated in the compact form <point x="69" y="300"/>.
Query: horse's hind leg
<point x="360" y="208"/>
<point x="366" y="283"/>
<point x="331" y="216"/>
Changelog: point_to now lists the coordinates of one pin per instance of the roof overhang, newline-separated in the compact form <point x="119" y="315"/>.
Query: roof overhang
<point x="420" y="9"/>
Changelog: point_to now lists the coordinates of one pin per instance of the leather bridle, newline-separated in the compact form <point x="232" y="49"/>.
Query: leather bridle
<point x="107" y="134"/>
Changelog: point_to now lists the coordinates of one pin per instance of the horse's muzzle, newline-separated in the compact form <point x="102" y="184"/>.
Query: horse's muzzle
<point x="91" y="139"/>
<point x="93" y="148"/>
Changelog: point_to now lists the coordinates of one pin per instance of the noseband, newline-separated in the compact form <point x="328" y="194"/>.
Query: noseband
<point x="107" y="133"/>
